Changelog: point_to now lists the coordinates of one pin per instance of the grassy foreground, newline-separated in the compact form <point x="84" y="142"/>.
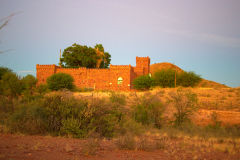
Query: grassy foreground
<point x="158" y="121"/>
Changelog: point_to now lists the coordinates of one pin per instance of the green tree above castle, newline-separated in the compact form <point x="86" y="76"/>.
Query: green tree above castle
<point x="77" y="56"/>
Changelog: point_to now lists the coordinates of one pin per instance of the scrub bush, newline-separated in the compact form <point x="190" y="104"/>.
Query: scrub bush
<point x="188" y="79"/>
<point x="78" y="118"/>
<point x="164" y="78"/>
<point x="30" y="119"/>
<point x="60" y="81"/>
<point x="142" y="82"/>
<point x="185" y="103"/>
<point x="148" y="110"/>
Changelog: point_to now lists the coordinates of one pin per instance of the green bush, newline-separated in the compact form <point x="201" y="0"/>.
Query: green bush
<point x="4" y="70"/>
<point x="105" y="117"/>
<point x="148" y="110"/>
<point x="69" y="116"/>
<point x="11" y="85"/>
<point x="6" y="108"/>
<point x="164" y="78"/>
<point x="129" y="125"/>
<point x="29" y="119"/>
<point x="29" y="82"/>
<point x="142" y="82"/>
<point x="185" y="103"/>
<point x="72" y="126"/>
<point x="59" y="108"/>
<point x="60" y="81"/>
<point x="42" y="89"/>
<point x="188" y="79"/>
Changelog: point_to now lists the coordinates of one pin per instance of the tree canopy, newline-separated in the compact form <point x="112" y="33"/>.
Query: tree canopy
<point x="83" y="56"/>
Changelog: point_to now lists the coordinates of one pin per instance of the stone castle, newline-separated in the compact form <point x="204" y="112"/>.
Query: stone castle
<point x="115" y="78"/>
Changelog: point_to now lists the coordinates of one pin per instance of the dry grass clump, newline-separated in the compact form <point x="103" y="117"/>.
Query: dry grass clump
<point x="126" y="141"/>
<point x="91" y="147"/>
<point x="141" y="143"/>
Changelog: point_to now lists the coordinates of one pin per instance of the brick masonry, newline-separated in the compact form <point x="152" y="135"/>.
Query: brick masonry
<point x="116" y="77"/>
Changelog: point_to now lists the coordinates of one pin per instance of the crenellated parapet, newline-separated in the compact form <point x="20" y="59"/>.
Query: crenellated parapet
<point x="120" y="67"/>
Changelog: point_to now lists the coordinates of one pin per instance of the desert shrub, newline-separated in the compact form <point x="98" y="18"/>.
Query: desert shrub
<point x="105" y="117"/>
<point x="30" y="119"/>
<point x="42" y="89"/>
<point x="83" y="89"/>
<point x="91" y="147"/>
<point x="185" y="103"/>
<point x="11" y="85"/>
<point x="72" y="127"/>
<point x="117" y="103"/>
<point x="164" y="78"/>
<point x="215" y="121"/>
<point x="188" y="79"/>
<point x="126" y="141"/>
<point x="142" y="82"/>
<point x="59" y="108"/>
<point x="217" y="131"/>
<point x="129" y="125"/>
<point x="29" y="82"/>
<point x="79" y="118"/>
<point x="6" y="108"/>
<point x="145" y="143"/>
<point x="6" y="105"/>
<point x="117" y="98"/>
<point x="148" y="110"/>
<point x="205" y="132"/>
<point x="60" y="81"/>
<point x="4" y="70"/>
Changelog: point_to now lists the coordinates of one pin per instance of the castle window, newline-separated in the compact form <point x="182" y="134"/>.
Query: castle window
<point x="120" y="80"/>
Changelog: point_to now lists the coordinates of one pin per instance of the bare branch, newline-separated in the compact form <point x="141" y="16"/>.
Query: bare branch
<point x="5" y="22"/>
<point x="7" y="19"/>
<point x="1" y="52"/>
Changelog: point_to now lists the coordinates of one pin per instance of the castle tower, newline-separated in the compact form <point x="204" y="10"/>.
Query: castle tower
<point x="143" y="65"/>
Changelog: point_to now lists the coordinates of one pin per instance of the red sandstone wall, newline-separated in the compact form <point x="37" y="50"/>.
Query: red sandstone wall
<point x="99" y="79"/>
<point x="123" y="71"/>
<point x="44" y="71"/>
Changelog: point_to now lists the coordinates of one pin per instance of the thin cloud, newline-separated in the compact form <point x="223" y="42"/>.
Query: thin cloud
<point x="9" y="50"/>
<point x="26" y="71"/>
<point x="207" y="37"/>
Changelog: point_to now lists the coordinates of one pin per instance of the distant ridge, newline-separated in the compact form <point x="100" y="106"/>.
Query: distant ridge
<point x="204" y="83"/>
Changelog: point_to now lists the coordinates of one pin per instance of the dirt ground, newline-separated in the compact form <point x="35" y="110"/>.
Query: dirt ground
<point x="22" y="147"/>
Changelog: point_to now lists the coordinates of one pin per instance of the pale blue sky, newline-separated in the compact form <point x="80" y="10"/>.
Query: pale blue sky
<point x="196" y="35"/>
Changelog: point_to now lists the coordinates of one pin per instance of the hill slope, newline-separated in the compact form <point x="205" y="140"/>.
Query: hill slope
<point x="164" y="65"/>
<point x="203" y="83"/>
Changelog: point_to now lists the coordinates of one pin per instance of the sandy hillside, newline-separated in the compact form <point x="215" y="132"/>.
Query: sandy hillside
<point x="204" y="83"/>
